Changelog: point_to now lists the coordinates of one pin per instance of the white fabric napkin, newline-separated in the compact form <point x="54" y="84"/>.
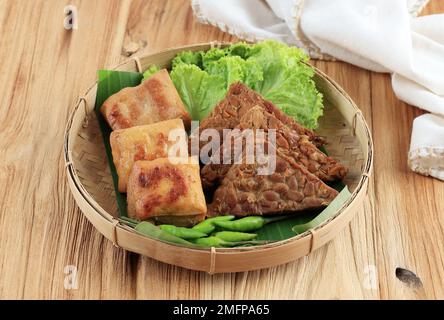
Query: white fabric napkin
<point x="379" y="35"/>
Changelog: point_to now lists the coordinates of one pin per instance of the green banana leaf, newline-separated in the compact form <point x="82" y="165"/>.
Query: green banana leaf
<point x="110" y="82"/>
<point x="326" y="214"/>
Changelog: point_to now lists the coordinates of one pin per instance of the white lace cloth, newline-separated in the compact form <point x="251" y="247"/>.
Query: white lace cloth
<point x="426" y="150"/>
<point x="378" y="35"/>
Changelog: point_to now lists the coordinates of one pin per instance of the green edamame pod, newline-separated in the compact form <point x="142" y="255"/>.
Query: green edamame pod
<point x="181" y="232"/>
<point x="209" y="242"/>
<point x="150" y="230"/>
<point x="234" y="236"/>
<point x="218" y="242"/>
<point x="242" y="225"/>
<point x="207" y="226"/>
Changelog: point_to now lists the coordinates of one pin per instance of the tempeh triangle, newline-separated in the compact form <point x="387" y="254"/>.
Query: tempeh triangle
<point x="291" y="187"/>
<point x="295" y="146"/>
<point x="240" y="99"/>
<point x="289" y="145"/>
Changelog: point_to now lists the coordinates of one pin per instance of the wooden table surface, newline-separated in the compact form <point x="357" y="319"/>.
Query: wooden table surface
<point x="49" y="250"/>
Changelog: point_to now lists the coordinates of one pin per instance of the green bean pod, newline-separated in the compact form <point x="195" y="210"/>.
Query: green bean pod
<point x="218" y="242"/>
<point x="184" y="233"/>
<point x="150" y="230"/>
<point x="207" y="226"/>
<point x="242" y="225"/>
<point x="234" y="236"/>
<point x="210" y="242"/>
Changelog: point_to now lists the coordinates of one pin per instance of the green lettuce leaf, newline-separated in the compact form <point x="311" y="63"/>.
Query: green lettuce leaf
<point x="188" y="57"/>
<point x="288" y="82"/>
<point x="241" y="49"/>
<point x="150" y="71"/>
<point x="199" y="90"/>
<point x="276" y="71"/>
<point x="212" y="55"/>
<point x="231" y="69"/>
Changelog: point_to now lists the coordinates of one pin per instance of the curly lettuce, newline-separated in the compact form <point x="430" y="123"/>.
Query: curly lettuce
<point x="199" y="91"/>
<point x="188" y="57"/>
<point x="149" y="72"/>
<point x="288" y="81"/>
<point x="234" y="68"/>
<point x="278" y="72"/>
<point x="212" y="55"/>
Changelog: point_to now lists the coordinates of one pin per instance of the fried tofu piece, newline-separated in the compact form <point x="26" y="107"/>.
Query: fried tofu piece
<point x="167" y="187"/>
<point x="154" y="100"/>
<point x="178" y="221"/>
<point x="147" y="142"/>
<point x="291" y="188"/>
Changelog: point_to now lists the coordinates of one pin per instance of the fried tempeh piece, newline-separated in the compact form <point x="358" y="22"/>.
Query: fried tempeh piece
<point x="290" y="188"/>
<point x="240" y="99"/>
<point x="156" y="99"/>
<point x="289" y="144"/>
<point x="167" y="187"/>
<point x="144" y="143"/>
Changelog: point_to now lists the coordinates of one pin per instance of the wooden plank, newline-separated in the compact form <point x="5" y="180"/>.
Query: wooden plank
<point x="44" y="69"/>
<point x="150" y="24"/>
<point x="408" y="206"/>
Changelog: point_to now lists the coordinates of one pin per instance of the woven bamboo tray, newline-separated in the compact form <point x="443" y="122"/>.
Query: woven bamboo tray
<point x="89" y="178"/>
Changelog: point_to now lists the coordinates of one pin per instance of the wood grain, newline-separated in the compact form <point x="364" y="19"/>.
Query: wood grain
<point x="45" y="68"/>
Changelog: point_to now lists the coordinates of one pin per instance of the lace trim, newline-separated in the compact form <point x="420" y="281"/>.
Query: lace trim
<point x="417" y="7"/>
<point x="302" y="41"/>
<point x="428" y="161"/>
<point x="313" y="50"/>
<point x="195" y="5"/>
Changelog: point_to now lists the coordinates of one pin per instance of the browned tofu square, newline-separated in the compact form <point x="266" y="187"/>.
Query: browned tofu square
<point x="147" y="142"/>
<point x="154" y="100"/>
<point x="166" y="187"/>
